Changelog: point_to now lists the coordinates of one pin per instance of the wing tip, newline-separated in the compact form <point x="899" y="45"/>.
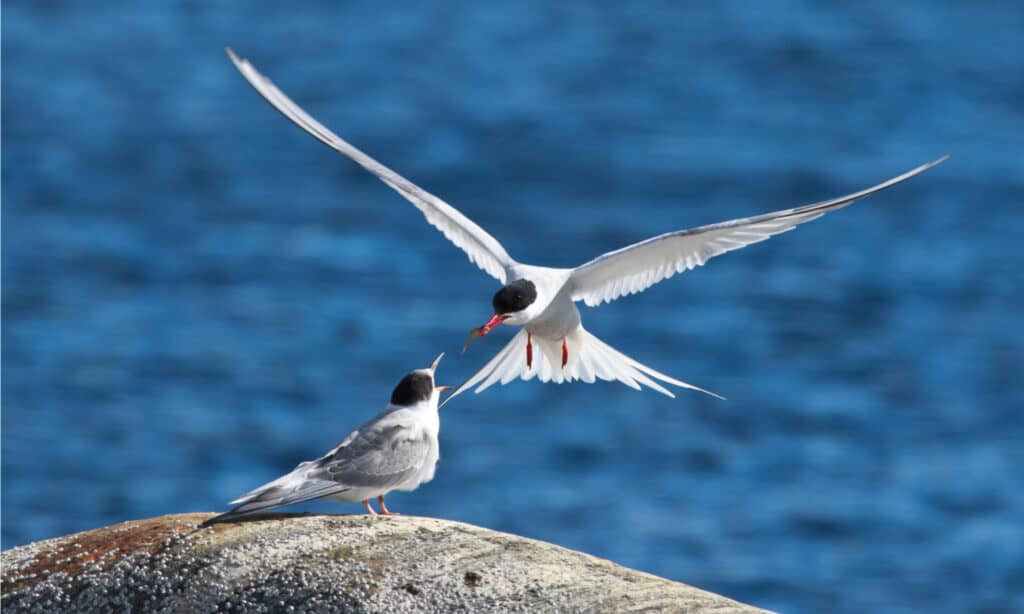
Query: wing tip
<point x="931" y="164"/>
<point x="238" y="61"/>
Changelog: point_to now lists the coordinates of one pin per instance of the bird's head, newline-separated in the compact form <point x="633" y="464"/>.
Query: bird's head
<point x="418" y="387"/>
<point x="511" y="305"/>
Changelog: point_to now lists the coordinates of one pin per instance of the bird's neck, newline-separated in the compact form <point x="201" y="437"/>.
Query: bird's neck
<point x="423" y="413"/>
<point x="428" y="406"/>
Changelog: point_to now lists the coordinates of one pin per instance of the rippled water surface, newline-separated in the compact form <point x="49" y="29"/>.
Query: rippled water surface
<point x="196" y="295"/>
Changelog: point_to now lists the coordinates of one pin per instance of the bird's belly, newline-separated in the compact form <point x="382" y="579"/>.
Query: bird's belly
<point x="558" y="320"/>
<point x="355" y="495"/>
<point x="425" y="474"/>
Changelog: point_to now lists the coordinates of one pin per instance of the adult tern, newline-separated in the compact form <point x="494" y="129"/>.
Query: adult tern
<point x="553" y="346"/>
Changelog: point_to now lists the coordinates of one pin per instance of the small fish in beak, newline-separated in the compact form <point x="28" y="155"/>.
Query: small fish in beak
<point x="480" y="331"/>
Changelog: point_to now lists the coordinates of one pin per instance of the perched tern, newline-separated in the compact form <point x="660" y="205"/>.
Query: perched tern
<point x="553" y="345"/>
<point x="397" y="450"/>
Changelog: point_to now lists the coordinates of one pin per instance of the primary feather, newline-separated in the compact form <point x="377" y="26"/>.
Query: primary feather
<point x="482" y="249"/>
<point x="639" y="266"/>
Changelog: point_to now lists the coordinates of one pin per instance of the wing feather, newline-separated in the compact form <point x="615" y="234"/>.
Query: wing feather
<point x="637" y="267"/>
<point x="384" y="457"/>
<point x="482" y="249"/>
<point x="302" y="484"/>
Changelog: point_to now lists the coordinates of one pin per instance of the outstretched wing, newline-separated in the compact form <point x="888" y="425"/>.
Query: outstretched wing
<point x="482" y="248"/>
<point x="639" y="266"/>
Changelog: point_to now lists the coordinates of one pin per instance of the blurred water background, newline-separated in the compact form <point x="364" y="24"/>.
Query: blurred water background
<point x="197" y="295"/>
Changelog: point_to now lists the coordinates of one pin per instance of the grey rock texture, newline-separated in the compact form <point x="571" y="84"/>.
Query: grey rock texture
<point x="290" y="563"/>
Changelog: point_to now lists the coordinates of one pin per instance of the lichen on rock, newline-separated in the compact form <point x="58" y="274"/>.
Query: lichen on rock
<point x="305" y="563"/>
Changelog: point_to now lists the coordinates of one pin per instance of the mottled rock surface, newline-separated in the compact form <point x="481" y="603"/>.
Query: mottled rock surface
<point x="285" y="563"/>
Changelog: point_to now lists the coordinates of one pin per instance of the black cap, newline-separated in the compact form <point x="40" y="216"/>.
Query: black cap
<point x="415" y="387"/>
<point x="514" y="297"/>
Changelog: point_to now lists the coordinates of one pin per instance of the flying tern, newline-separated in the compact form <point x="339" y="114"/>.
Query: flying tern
<point x="397" y="450"/>
<point x="553" y="345"/>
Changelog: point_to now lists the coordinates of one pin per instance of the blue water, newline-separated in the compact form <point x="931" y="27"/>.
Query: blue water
<point x="196" y="295"/>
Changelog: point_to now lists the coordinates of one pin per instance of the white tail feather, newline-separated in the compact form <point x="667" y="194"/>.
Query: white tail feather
<point x="589" y="359"/>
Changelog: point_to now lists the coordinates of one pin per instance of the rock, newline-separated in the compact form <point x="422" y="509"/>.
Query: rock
<point x="300" y="563"/>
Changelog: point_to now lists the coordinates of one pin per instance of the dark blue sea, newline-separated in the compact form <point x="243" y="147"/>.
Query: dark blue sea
<point x="197" y="295"/>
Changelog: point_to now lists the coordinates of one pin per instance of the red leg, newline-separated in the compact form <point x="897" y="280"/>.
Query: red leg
<point x="565" y="353"/>
<point x="529" y="350"/>
<point x="384" y="511"/>
<point x="369" y="508"/>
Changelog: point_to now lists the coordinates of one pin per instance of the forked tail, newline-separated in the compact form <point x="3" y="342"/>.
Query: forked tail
<point x="588" y="359"/>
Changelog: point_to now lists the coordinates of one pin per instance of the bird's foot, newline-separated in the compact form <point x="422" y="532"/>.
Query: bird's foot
<point x="369" y="508"/>
<point x="529" y="349"/>
<point x="384" y="511"/>
<point x="565" y="353"/>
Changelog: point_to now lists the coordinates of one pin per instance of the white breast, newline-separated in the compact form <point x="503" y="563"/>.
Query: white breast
<point x="553" y="314"/>
<point x="559" y="320"/>
<point x="427" y="419"/>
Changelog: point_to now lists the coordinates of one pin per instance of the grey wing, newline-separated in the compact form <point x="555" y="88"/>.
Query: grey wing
<point x="380" y="457"/>
<point x="305" y="483"/>
<point x="635" y="268"/>
<point x="374" y="456"/>
<point x="482" y="249"/>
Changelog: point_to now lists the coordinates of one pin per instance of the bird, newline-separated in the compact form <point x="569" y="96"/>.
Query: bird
<point x="396" y="450"/>
<point x="552" y="344"/>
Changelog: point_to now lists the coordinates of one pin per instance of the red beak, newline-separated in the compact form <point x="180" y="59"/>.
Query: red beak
<point x="493" y="322"/>
<point x="480" y="331"/>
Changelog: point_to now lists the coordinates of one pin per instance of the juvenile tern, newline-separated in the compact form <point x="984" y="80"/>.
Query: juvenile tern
<point x="553" y="345"/>
<point x="397" y="450"/>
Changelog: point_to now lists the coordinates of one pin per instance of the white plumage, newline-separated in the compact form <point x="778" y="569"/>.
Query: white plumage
<point x="553" y="345"/>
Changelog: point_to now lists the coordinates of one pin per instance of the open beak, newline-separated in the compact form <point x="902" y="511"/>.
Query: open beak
<point x="433" y="365"/>
<point x="480" y="331"/>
